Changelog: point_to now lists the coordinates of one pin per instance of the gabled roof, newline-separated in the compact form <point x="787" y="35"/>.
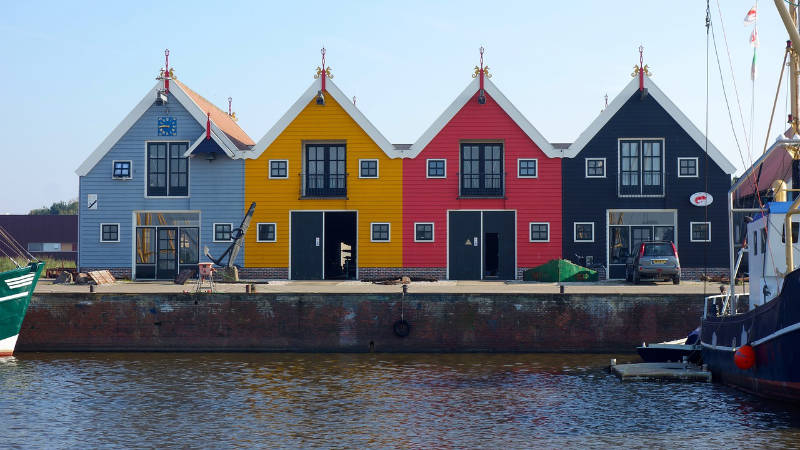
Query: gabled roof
<point x="343" y="101"/>
<point x="668" y="106"/>
<point x="774" y="164"/>
<point x="501" y="100"/>
<point x="225" y="131"/>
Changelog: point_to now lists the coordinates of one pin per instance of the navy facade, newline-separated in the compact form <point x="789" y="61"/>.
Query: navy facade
<point x="215" y="192"/>
<point x="589" y="199"/>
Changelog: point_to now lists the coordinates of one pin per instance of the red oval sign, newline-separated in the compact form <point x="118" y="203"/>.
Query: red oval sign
<point x="701" y="199"/>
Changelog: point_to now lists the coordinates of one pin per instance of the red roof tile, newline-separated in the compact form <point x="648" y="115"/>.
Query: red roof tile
<point x="220" y="118"/>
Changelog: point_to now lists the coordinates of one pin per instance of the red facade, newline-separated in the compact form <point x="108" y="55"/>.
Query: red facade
<point x="429" y="199"/>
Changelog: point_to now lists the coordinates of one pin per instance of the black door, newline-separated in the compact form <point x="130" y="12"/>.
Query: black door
<point x="167" y="253"/>
<point x="501" y="225"/>
<point x="465" y="242"/>
<point x="306" y="248"/>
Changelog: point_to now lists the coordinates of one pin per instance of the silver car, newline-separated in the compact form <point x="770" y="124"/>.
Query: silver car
<point x="654" y="260"/>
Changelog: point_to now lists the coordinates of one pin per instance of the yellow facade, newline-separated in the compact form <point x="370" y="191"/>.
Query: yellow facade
<point x="375" y="200"/>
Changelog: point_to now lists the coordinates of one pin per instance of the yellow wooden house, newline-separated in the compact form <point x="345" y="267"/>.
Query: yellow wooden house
<point x="329" y="193"/>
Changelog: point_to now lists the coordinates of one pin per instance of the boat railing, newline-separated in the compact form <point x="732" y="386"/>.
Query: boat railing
<point x="721" y="304"/>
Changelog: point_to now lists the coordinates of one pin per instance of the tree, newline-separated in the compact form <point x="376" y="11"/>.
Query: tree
<point x="57" y="209"/>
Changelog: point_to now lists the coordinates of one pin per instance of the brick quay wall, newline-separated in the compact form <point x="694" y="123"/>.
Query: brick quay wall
<point x="355" y="322"/>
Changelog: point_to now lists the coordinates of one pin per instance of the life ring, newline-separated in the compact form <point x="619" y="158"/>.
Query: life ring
<point x="401" y="328"/>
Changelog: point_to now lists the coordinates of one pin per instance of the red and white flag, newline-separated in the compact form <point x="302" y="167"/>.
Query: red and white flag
<point x="750" y="18"/>
<point x="754" y="38"/>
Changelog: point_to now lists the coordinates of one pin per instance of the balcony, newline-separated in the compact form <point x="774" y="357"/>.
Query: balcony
<point x="323" y="185"/>
<point x="482" y="186"/>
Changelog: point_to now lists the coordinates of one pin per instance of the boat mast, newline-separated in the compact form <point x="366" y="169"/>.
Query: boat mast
<point x="789" y="19"/>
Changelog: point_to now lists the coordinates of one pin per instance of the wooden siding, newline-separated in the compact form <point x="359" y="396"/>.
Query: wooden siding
<point x="429" y="199"/>
<point x="587" y="199"/>
<point x="215" y="189"/>
<point x="376" y="200"/>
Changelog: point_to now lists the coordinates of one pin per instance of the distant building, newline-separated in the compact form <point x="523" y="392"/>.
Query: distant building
<point x="50" y="237"/>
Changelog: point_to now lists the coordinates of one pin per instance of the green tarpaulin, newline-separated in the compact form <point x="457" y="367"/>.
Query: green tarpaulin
<point x="559" y="270"/>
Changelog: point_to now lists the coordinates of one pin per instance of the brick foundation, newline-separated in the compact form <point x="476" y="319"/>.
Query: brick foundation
<point x="120" y="273"/>
<point x="693" y="273"/>
<point x="264" y="273"/>
<point x="440" y="273"/>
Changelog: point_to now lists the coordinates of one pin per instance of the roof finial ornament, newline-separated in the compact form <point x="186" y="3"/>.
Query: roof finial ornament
<point x="606" y="106"/>
<point x="481" y="73"/>
<point x="642" y="69"/>
<point x="231" y="114"/>
<point x="166" y="73"/>
<point x="208" y="126"/>
<point x="354" y="100"/>
<point x="323" y="72"/>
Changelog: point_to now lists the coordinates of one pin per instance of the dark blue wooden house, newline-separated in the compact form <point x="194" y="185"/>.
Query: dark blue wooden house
<point x="631" y="177"/>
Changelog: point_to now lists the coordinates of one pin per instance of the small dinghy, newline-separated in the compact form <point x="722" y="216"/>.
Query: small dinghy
<point x="672" y="350"/>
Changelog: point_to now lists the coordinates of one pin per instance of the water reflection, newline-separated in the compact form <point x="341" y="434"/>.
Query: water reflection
<point x="363" y="400"/>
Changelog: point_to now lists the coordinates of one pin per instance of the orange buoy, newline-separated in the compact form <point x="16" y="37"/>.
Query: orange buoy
<point x="745" y="357"/>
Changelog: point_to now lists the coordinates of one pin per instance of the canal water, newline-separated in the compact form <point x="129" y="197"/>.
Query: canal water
<point x="125" y="400"/>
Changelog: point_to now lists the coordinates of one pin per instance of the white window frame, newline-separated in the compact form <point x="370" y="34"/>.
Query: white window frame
<point x="696" y="167"/>
<point x="427" y="161"/>
<point x="586" y="168"/>
<point x="433" y="231"/>
<point x="269" y="169"/>
<point x="214" y="231"/>
<point x="377" y="168"/>
<point x="641" y="167"/>
<point x="274" y="235"/>
<point x="372" y="234"/>
<point x="101" y="231"/>
<point x="575" y="232"/>
<point x="519" y="160"/>
<point x="538" y="223"/>
<point x="130" y="169"/>
<point x="691" y="233"/>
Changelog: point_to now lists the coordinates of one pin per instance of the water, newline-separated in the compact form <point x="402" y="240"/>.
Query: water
<point x="128" y="400"/>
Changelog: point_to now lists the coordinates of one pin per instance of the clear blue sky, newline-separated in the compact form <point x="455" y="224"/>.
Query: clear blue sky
<point x="72" y="70"/>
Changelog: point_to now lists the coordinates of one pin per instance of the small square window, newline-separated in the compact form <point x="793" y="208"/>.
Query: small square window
<point x="278" y="168"/>
<point x="584" y="231"/>
<point x="423" y="232"/>
<point x="540" y="232"/>
<point x="368" y="168"/>
<point x="266" y="232"/>
<point x="595" y="167"/>
<point x="436" y="168"/>
<point x="222" y="232"/>
<point x="701" y="231"/>
<point x="109" y="232"/>
<point x="380" y="232"/>
<point x="527" y="168"/>
<point x="687" y="167"/>
<point x="122" y="170"/>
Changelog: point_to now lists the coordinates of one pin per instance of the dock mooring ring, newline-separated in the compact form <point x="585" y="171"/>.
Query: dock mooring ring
<point x="401" y="328"/>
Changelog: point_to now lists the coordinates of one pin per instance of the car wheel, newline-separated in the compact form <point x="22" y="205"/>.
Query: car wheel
<point x="676" y="280"/>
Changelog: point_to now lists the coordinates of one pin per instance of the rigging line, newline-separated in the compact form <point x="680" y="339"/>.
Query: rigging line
<point x="705" y="148"/>
<point x="733" y="79"/>
<point x="772" y="116"/>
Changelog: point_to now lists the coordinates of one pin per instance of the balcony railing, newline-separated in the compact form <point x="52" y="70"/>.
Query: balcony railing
<point x="322" y="185"/>
<point x="486" y="185"/>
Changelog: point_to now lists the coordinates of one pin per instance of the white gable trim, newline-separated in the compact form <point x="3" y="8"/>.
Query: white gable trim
<point x="130" y="120"/>
<point x="668" y="106"/>
<point x="343" y="101"/>
<point x="118" y="132"/>
<point x="501" y="100"/>
<point x="216" y="139"/>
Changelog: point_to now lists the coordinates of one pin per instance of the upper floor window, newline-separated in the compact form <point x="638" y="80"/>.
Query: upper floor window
<point x="326" y="174"/>
<point x="527" y="168"/>
<point x="437" y="168"/>
<point x="167" y="169"/>
<point x="278" y="168"/>
<point x="109" y="232"/>
<point x="367" y="168"/>
<point x="595" y="167"/>
<point x="687" y="167"/>
<point x="482" y="170"/>
<point x="121" y="170"/>
<point x="641" y="168"/>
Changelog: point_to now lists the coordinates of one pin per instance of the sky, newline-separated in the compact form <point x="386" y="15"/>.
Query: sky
<point x="71" y="71"/>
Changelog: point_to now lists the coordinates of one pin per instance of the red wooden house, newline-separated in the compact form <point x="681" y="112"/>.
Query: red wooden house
<point x="481" y="191"/>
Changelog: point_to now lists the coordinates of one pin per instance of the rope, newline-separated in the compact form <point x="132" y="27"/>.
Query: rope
<point x="705" y="148"/>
